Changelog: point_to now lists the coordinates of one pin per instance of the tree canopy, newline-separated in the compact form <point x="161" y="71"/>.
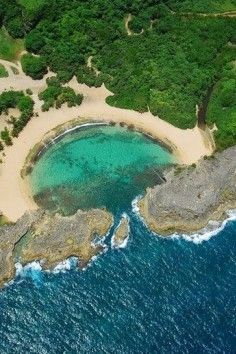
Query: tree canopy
<point x="166" y="66"/>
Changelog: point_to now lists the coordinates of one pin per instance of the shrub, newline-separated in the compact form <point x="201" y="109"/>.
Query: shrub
<point x="35" y="67"/>
<point x="5" y="136"/>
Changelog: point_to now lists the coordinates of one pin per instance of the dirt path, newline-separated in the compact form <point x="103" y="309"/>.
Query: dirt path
<point x="91" y="66"/>
<point x="201" y="14"/>
<point x="128" y="19"/>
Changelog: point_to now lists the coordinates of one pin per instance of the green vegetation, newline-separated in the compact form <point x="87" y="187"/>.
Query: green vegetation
<point x="3" y="72"/>
<point x="168" y="69"/>
<point x="88" y="76"/>
<point x="10" y="48"/>
<point x="34" y="66"/>
<point x="222" y="108"/>
<point x="16" y="99"/>
<point x="206" y="6"/>
<point x="5" y="136"/>
<point x="15" y="70"/>
<point x="3" y="220"/>
<point x="55" y="95"/>
<point x="32" y="5"/>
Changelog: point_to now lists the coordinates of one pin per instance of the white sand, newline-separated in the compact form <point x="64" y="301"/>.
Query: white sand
<point x="188" y="145"/>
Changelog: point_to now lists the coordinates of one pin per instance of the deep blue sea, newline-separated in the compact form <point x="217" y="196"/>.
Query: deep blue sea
<point x="155" y="295"/>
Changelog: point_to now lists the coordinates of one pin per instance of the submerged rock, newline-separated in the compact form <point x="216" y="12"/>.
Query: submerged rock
<point x="192" y="196"/>
<point x="121" y="233"/>
<point x="51" y="238"/>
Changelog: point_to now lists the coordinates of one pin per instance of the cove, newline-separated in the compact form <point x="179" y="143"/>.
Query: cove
<point x="95" y="167"/>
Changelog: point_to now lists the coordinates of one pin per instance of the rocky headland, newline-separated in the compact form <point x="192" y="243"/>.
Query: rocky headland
<point x="39" y="236"/>
<point x="192" y="196"/>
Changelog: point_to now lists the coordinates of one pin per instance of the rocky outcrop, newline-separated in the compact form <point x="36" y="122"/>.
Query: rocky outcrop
<point x="192" y="196"/>
<point x="10" y="235"/>
<point x="51" y="238"/>
<point x="121" y="233"/>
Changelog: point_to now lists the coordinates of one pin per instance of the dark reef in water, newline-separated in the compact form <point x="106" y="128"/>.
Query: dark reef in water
<point x="192" y="196"/>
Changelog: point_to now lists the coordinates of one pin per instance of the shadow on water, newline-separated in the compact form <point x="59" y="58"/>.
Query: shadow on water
<point x="103" y="192"/>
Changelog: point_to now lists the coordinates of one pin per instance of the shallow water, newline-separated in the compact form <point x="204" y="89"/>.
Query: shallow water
<point x="97" y="167"/>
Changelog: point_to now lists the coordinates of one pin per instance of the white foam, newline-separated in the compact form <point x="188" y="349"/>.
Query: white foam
<point x="212" y="229"/>
<point x="77" y="127"/>
<point x="114" y="244"/>
<point x="22" y="270"/>
<point x="95" y="257"/>
<point x="65" y="265"/>
<point x="135" y="208"/>
<point x="122" y="245"/>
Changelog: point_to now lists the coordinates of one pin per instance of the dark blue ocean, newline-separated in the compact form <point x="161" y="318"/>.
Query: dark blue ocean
<point x="155" y="295"/>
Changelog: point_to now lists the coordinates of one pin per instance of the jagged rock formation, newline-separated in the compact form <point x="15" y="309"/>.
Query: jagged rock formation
<point x="51" y="238"/>
<point x="121" y="233"/>
<point x="192" y="196"/>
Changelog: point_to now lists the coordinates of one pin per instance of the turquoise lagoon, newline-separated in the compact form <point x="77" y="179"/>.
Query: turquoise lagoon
<point x="97" y="166"/>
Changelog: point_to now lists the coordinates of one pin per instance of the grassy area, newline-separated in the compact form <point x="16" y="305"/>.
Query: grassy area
<point x="3" y="72"/>
<point x="3" y="220"/>
<point x="206" y="6"/>
<point x="31" y="5"/>
<point x="10" y="48"/>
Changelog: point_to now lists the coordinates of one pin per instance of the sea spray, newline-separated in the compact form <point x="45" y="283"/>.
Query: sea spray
<point x="32" y="270"/>
<point x="66" y="265"/>
<point x="212" y="229"/>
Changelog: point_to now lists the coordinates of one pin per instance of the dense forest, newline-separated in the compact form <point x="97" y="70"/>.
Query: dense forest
<point x="167" y="66"/>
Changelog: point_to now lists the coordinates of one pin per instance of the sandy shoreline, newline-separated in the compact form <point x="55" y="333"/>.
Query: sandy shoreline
<point x="187" y="145"/>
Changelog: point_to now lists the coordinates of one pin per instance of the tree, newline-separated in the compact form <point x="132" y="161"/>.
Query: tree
<point x="5" y="136"/>
<point x="33" y="66"/>
<point x="15" y="28"/>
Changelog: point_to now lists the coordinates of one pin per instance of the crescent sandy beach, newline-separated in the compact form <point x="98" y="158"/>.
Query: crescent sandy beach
<point x="187" y="145"/>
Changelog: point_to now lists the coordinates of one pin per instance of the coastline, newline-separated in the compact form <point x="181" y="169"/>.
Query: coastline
<point x="191" y="198"/>
<point x="15" y="201"/>
<point x="50" y="239"/>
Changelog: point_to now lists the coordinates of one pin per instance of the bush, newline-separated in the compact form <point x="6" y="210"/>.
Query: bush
<point x="16" y="99"/>
<point x="5" y="136"/>
<point x="56" y="95"/>
<point x="35" y="67"/>
<point x="15" y="27"/>
<point x="29" y="92"/>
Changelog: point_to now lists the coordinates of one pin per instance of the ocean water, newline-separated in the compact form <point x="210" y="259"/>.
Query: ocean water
<point x="155" y="295"/>
<point x="100" y="166"/>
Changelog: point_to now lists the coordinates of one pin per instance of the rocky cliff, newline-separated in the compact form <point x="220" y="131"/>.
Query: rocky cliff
<point x="192" y="196"/>
<point x="51" y="238"/>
